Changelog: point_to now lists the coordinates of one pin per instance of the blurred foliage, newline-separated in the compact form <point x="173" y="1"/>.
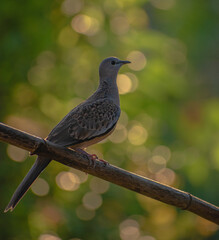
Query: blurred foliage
<point x="169" y="129"/>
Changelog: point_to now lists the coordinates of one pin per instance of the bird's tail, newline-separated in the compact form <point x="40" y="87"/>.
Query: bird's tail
<point x="39" y="165"/>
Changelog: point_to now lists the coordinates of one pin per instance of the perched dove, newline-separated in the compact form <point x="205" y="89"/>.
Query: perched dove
<point x="88" y="123"/>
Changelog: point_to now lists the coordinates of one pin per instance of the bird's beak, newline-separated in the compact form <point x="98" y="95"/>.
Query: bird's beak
<point x="123" y="62"/>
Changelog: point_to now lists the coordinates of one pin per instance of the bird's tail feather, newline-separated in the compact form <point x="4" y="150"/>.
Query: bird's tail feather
<point x="39" y="165"/>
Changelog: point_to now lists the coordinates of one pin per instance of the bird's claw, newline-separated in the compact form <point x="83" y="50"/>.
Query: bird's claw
<point x="104" y="161"/>
<point x="92" y="160"/>
<point x="94" y="157"/>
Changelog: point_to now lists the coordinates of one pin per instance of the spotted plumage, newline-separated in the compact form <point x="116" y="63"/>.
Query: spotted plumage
<point x="85" y="122"/>
<point x="88" y="123"/>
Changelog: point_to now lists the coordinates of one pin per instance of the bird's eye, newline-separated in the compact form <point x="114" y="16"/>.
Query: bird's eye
<point x="113" y="62"/>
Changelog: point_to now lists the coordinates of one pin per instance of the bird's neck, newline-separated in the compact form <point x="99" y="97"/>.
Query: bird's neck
<point x="108" y="89"/>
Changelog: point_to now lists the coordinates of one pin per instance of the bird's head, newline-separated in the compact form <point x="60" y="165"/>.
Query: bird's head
<point x="109" y="67"/>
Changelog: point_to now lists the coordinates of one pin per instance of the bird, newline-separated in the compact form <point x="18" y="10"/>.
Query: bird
<point x="88" y="123"/>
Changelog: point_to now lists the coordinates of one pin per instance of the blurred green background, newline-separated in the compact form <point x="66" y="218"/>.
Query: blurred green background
<point x="50" y="52"/>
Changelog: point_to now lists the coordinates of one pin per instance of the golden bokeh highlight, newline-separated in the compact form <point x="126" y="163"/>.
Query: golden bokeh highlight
<point x="137" y="59"/>
<point x="129" y="229"/>
<point x="137" y="135"/>
<point x="48" y="237"/>
<point x="124" y="83"/>
<point x="156" y="163"/>
<point x="68" y="181"/>
<point x="165" y="176"/>
<point x="162" y="151"/>
<point x="81" y="175"/>
<point x="119" y="135"/>
<point x="16" y="154"/>
<point x="84" y="213"/>
<point x="85" y="25"/>
<point x="98" y="185"/>
<point x="71" y="7"/>
<point x="92" y="200"/>
<point x="40" y="187"/>
<point x="95" y="12"/>
<point x="133" y="79"/>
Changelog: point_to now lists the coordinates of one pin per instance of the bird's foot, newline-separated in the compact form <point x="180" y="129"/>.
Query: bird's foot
<point x="104" y="161"/>
<point x="91" y="157"/>
<point x="95" y="157"/>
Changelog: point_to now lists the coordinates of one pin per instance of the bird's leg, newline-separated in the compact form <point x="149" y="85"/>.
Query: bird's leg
<point x="104" y="161"/>
<point x="94" y="157"/>
<point x="91" y="157"/>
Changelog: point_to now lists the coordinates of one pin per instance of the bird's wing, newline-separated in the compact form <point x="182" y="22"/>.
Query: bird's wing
<point x="85" y="122"/>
